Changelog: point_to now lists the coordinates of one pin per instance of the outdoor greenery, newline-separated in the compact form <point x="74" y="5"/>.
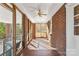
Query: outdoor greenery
<point x="2" y="30"/>
<point x="18" y="29"/>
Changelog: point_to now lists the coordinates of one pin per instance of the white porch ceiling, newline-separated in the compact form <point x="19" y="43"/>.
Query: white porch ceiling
<point x="30" y="9"/>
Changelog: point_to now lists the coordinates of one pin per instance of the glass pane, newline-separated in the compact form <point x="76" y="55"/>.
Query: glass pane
<point x="76" y="10"/>
<point x="19" y="30"/>
<point x="6" y="32"/>
<point x="76" y="20"/>
<point x="76" y="30"/>
<point x="41" y="30"/>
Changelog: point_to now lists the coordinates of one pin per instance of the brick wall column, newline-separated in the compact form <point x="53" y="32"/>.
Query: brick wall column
<point x="59" y="30"/>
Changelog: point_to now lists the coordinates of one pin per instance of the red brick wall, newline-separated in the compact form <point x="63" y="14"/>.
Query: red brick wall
<point x="59" y="30"/>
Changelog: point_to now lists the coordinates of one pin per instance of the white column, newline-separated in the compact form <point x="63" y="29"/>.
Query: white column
<point x="70" y="41"/>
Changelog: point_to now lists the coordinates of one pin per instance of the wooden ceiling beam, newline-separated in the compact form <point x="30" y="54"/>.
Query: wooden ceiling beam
<point x="5" y="5"/>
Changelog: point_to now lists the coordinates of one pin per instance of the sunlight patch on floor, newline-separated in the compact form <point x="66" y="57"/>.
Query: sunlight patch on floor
<point x="40" y="44"/>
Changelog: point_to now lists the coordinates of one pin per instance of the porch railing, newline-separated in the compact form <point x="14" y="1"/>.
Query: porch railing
<point x="8" y="45"/>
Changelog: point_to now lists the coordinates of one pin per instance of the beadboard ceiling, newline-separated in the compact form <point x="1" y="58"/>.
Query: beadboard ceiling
<point x="30" y="10"/>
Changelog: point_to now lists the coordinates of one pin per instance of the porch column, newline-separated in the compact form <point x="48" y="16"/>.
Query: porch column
<point x="70" y="41"/>
<point x="33" y="31"/>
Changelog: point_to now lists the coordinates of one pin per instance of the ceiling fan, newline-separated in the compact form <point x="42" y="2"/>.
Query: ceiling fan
<point x="38" y="11"/>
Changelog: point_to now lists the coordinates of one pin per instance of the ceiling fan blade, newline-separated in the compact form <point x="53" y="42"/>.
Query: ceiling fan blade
<point x="43" y="14"/>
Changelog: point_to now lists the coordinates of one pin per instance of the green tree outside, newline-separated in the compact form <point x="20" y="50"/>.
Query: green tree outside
<point x="2" y="30"/>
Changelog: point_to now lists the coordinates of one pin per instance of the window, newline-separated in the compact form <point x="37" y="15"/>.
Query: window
<point x="41" y="30"/>
<point x="19" y="30"/>
<point x="6" y="32"/>
<point x="76" y="20"/>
